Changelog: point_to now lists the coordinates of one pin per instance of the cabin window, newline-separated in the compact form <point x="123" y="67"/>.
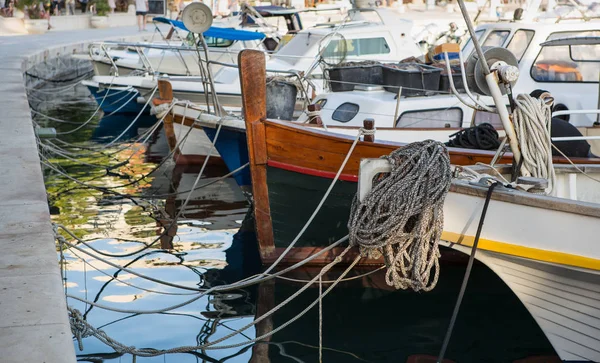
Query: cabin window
<point x="210" y="41"/>
<point x="345" y="112"/>
<point x="441" y="118"/>
<point x="356" y="47"/>
<point x="218" y="42"/>
<point x="520" y="42"/>
<point x="569" y="64"/>
<point x="496" y="38"/>
<point x="468" y="47"/>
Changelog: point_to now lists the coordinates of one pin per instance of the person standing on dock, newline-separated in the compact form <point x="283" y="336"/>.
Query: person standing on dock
<point x="141" y="10"/>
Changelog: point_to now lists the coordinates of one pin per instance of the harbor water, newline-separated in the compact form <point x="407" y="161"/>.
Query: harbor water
<point x="115" y="186"/>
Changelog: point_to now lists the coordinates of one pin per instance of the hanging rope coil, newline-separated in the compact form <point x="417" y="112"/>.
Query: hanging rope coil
<point x="402" y="217"/>
<point x="482" y="137"/>
<point x="532" y="119"/>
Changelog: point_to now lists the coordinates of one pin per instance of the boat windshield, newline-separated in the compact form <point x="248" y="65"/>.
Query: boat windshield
<point x="468" y="47"/>
<point x="302" y="45"/>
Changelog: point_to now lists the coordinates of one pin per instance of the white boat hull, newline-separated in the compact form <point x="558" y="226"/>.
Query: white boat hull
<point x="195" y="146"/>
<point x="532" y="244"/>
<point x="565" y="302"/>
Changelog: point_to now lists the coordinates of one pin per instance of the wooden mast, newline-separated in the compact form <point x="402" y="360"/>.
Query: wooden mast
<point x="254" y="101"/>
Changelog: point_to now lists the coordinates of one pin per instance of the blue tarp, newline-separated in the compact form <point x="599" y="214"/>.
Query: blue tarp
<point x="215" y="32"/>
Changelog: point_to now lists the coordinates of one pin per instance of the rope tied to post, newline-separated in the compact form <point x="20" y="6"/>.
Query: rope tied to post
<point x="162" y="109"/>
<point x="402" y="217"/>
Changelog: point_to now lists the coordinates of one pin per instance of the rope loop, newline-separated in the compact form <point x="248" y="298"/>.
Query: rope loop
<point x="402" y="217"/>
<point x="532" y="120"/>
<point x="366" y="132"/>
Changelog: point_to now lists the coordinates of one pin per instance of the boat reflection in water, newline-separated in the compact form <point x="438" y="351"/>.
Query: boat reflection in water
<point x="363" y="319"/>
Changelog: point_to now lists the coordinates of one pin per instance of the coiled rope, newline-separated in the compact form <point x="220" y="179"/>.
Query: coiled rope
<point x="402" y="217"/>
<point x="532" y="120"/>
<point x="482" y="137"/>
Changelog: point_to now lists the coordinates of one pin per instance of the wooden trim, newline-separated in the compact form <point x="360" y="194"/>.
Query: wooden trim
<point x="458" y="156"/>
<point x="187" y="121"/>
<point x="310" y="171"/>
<point x="254" y="100"/>
<point x="341" y="127"/>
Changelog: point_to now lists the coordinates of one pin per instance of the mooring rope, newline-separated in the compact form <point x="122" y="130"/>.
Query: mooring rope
<point x="402" y="217"/>
<point x="81" y="328"/>
<point x="532" y="120"/>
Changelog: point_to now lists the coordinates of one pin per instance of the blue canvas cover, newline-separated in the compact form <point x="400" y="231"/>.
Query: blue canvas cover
<point x="215" y="32"/>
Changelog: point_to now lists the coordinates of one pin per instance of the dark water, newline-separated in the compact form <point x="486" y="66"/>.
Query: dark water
<point x="213" y="243"/>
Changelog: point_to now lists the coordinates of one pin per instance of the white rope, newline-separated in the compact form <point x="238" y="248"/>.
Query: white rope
<point x="532" y="119"/>
<point x="82" y="328"/>
<point x="160" y="110"/>
<point x="93" y="115"/>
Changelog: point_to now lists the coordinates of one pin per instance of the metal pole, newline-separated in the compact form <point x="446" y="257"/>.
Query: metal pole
<point x="492" y="82"/>
<point x="598" y="115"/>
<point x="465" y="14"/>
<point x="210" y="77"/>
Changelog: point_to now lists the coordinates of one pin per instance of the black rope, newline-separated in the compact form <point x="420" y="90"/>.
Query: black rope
<point x="461" y="294"/>
<point x="482" y="137"/>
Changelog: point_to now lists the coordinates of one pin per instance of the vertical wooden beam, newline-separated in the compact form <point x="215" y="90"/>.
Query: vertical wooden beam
<point x="369" y="124"/>
<point x="254" y="101"/>
<point x="165" y="95"/>
<point x="165" y="90"/>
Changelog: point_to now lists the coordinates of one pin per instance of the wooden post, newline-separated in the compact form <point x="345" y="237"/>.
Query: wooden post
<point x="165" y="95"/>
<point x="316" y="119"/>
<point x="253" y="82"/>
<point x="369" y="124"/>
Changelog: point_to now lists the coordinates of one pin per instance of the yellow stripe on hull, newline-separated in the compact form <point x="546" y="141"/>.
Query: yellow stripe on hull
<point x="525" y="252"/>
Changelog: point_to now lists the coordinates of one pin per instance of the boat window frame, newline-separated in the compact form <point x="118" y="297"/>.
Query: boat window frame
<point x="528" y="44"/>
<point x="497" y="30"/>
<point x="385" y="44"/>
<point x="570" y="56"/>
<point x="351" y="118"/>
<point x="470" y="40"/>
<point x="462" y="115"/>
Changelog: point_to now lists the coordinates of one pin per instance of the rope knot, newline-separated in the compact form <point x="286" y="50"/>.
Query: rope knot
<point x="365" y="132"/>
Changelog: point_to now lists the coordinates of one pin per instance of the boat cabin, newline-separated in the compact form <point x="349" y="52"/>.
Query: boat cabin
<point x="548" y="60"/>
<point x="570" y="73"/>
<point x="367" y="34"/>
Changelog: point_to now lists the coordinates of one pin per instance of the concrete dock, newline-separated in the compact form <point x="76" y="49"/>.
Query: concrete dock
<point x="34" y="325"/>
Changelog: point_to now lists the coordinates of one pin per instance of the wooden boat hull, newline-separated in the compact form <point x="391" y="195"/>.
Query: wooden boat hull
<point x="526" y="240"/>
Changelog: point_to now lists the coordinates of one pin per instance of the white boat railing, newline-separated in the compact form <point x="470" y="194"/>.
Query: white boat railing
<point x="575" y="112"/>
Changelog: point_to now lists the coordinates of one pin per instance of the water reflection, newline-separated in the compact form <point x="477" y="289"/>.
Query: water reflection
<point x="211" y="242"/>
